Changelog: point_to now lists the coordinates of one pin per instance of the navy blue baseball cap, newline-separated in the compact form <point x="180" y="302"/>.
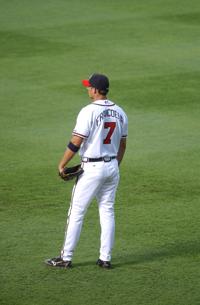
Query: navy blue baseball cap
<point x="98" y="81"/>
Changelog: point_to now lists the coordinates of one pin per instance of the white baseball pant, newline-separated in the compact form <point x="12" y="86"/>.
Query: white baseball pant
<point x="100" y="180"/>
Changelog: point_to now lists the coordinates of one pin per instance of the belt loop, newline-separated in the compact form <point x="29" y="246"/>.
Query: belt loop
<point x="107" y="159"/>
<point x="85" y="159"/>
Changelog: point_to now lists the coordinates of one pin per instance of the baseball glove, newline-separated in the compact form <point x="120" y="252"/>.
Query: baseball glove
<point x="70" y="173"/>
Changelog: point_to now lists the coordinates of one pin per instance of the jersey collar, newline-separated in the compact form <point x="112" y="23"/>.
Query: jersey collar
<point x="103" y="103"/>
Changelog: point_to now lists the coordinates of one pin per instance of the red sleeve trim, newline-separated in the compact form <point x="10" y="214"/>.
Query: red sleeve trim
<point x="79" y="135"/>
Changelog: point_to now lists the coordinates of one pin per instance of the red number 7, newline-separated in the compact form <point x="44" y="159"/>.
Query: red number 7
<point x="110" y="125"/>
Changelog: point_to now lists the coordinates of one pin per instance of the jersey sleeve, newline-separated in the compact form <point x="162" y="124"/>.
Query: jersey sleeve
<point x="125" y="127"/>
<point x="82" y="128"/>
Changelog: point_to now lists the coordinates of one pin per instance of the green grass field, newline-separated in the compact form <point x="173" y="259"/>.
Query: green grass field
<point x="150" y="50"/>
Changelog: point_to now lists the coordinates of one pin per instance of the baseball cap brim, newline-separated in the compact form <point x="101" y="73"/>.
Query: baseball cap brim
<point x="86" y="83"/>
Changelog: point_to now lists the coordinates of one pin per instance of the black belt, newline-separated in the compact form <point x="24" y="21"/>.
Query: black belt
<point x="105" y="159"/>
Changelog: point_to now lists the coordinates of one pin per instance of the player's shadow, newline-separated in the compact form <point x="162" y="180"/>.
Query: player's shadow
<point x="175" y="249"/>
<point x="182" y="249"/>
<point x="85" y="264"/>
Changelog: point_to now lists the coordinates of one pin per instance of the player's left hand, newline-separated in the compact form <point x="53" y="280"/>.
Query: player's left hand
<point x="69" y="173"/>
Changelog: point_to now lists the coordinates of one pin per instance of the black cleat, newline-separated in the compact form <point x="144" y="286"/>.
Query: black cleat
<point x="103" y="264"/>
<point x="58" y="262"/>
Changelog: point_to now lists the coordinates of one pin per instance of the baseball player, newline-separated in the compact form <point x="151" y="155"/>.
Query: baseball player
<point x="100" y="137"/>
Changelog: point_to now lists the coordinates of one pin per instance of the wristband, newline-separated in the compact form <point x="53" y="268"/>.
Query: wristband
<point x="73" y="147"/>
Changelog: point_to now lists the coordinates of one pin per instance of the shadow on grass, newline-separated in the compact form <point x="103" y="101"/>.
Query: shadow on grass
<point x="177" y="249"/>
<point x="84" y="264"/>
<point x="182" y="249"/>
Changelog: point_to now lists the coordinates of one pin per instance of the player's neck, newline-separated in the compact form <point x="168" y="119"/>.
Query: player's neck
<point x="99" y="97"/>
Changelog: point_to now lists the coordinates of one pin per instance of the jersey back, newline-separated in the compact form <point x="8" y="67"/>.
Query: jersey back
<point x="102" y="124"/>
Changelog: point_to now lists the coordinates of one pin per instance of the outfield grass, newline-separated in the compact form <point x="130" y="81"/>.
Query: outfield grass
<point x="150" y="50"/>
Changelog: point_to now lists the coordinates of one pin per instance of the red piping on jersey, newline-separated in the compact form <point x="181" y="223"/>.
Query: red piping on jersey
<point x="79" y="135"/>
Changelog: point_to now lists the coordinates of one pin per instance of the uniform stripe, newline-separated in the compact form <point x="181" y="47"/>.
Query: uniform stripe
<point x="68" y="216"/>
<point x="104" y="105"/>
<point x="79" y="135"/>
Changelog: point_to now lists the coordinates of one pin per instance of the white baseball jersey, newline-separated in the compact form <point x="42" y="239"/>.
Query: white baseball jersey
<point x="102" y="124"/>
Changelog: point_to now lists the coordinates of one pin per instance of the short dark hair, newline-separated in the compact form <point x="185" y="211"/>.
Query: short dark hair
<point x="103" y="92"/>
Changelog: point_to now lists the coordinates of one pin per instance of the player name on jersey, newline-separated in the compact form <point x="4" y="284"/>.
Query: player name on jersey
<point x="109" y="113"/>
